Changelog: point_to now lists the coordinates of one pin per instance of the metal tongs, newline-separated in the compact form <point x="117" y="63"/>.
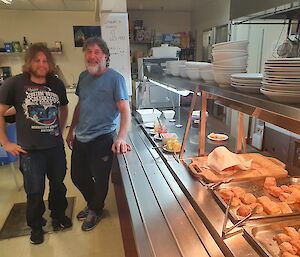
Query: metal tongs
<point x="226" y="230"/>
<point x="212" y="186"/>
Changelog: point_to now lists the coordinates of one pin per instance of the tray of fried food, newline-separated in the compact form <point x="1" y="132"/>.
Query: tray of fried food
<point x="269" y="197"/>
<point x="276" y="239"/>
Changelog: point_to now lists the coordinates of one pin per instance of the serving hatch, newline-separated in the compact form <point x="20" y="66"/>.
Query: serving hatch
<point x="256" y="187"/>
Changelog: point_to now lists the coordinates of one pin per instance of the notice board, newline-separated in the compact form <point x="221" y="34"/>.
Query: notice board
<point x="115" y="32"/>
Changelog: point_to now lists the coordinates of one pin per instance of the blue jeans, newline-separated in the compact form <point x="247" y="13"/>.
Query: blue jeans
<point x="35" y="165"/>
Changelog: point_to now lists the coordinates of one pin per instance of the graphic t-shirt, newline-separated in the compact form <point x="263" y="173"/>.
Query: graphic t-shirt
<point x="37" y="107"/>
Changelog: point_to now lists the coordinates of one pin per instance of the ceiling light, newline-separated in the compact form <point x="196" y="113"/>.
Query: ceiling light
<point x="7" y="1"/>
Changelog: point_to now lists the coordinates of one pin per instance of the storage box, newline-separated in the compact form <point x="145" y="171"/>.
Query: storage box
<point x="149" y="115"/>
<point x="165" y="51"/>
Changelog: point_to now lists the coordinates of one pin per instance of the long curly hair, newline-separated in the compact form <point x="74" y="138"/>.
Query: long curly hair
<point x="31" y="53"/>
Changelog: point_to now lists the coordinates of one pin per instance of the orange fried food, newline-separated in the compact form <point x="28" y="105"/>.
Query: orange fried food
<point x="270" y="207"/>
<point x="238" y="191"/>
<point x="288" y="198"/>
<point x="281" y="237"/>
<point x="259" y="209"/>
<point x="287" y="254"/>
<point x="296" y="194"/>
<point x="284" y="207"/>
<point x="275" y="191"/>
<point x="248" y="198"/>
<point x="296" y="243"/>
<point x="292" y="232"/>
<point x="235" y="202"/>
<point x="226" y="194"/>
<point x="269" y="181"/>
<point x="286" y="189"/>
<point x="295" y="207"/>
<point x="243" y="210"/>
<point x="287" y="247"/>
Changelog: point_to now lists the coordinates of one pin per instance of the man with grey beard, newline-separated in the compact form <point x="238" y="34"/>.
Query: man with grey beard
<point x="92" y="136"/>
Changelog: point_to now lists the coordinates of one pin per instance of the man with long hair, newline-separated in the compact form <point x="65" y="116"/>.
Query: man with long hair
<point x="40" y="102"/>
<point x="102" y="99"/>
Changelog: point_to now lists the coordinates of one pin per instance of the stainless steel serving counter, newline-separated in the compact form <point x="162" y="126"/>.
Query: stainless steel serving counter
<point x="172" y="214"/>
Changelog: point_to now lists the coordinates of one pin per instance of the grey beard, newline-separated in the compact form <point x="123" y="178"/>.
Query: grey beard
<point x="95" y="69"/>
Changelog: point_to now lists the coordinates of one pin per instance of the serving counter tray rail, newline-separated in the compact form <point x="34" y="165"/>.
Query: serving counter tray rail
<point x="256" y="187"/>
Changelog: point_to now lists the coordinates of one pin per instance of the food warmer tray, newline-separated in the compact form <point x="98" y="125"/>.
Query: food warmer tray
<point x="261" y="234"/>
<point x="256" y="187"/>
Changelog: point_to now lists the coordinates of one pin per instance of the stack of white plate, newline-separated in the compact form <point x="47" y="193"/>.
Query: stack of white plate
<point x="281" y="81"/>
<point x="229" y="58"/>
<point x="247" y="82"/>
<point x="173" y="67"/>
<point x="194" y="70"/>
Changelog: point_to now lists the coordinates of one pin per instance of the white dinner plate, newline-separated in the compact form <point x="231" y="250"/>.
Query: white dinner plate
<point x="248" y="76"/>
<point x="149" y="125"/>
<point x="282" y="69"/>
<point x="169" y="151"/>
<point x="281" y="97"/>
<point x="152" y="132"/>
<point x="284" y="60"/>
<point x="292" y="65"/>
<point x="246" y="84"/>
<point x="217" y="137"/>
<point x="282" y="81"/>
<point x="280" y="85"/>
<point x="247" y="89"/>
<point x="288" y="75"/>
<point x="157" y="137"/>
<point x="282" y="89"/>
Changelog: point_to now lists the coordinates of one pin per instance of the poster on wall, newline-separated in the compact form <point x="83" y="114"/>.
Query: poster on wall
<point x="114" y="29"/>
<point x="81" y="33"/>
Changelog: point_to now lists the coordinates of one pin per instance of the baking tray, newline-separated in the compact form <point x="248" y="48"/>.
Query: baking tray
<point x="261" y="235"/>
<point x="256" y="187"/>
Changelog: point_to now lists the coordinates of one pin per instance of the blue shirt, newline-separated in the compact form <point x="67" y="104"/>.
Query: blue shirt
<point x="98" y="97"/>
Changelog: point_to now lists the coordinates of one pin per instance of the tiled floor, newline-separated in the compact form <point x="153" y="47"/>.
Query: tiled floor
<point x="104" y="241"/>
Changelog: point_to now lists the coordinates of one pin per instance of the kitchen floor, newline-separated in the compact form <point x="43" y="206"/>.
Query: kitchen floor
<point x="105" y="240"/>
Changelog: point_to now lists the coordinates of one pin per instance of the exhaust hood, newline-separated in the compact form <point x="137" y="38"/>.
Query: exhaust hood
<point x="267" y="9"/>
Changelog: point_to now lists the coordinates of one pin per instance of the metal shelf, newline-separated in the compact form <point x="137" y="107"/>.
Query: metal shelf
<point x="286" y="116"/>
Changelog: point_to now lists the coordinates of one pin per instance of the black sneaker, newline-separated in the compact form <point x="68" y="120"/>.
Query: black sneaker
<point x="83" y="214"/>
<point x="61" y="223"/>
<point x="37" y="236"/>
<point x="91" y="221"/>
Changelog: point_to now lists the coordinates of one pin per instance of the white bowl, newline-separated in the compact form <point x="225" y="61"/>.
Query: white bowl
<point x="193" y="74"/>
<point x="182" y="71"/>
<point x="239" y="61"/>
<point x="223" y="79"/>
<point x="200" y="65"/>
<point x="221" y="55"/>
<point x="238" y="45"/>
<point x="207" y="75"/>
<point x="169" y="114"/>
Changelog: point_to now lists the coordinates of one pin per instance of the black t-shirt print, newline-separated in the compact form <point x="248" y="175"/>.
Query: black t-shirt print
<point x="41" y="106"/>
<point x="37" y="107"/>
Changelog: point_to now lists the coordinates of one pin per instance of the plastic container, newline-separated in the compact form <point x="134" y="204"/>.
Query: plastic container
<point x="149" y="115"/>
<point x="169" y="114"/>
<point x="165" y="51"/>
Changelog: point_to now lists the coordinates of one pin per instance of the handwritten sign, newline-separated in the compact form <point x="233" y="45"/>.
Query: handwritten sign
<point x="115" y="32"/>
